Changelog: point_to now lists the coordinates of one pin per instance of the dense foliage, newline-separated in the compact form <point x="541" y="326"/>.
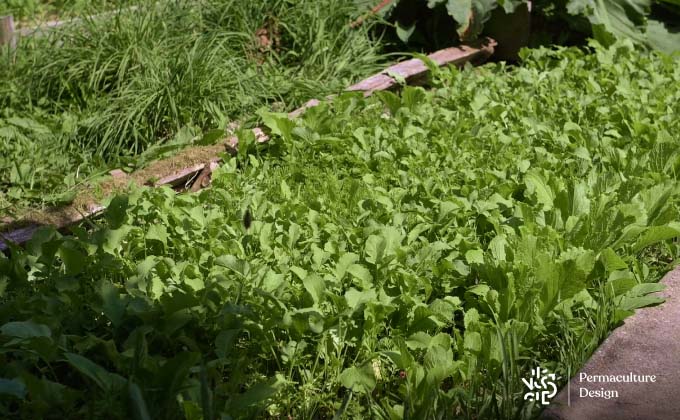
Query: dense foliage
<point x="98" y="93"/>
<point x="405" y="256"/>
<point x="651" y="23"/>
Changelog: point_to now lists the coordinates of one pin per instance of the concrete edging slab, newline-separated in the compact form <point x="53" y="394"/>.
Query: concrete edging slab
<point x="648" y="343"/>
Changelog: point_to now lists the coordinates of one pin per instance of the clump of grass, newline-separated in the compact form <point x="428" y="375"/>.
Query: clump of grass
<point x="112" y="88"/>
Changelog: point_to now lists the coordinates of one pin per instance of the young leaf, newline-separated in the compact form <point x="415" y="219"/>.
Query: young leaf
<point x="105" y="380"/>
<point x="12" y="387"/>
<point x="358" y="379"/>
<point x="116" y="212"/>
<point x="315" y="286"/>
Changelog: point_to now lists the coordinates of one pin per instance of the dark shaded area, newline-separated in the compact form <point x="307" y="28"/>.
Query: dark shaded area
<point x="432" y="28"/>
<point x="424" y="29"/>
<point x="552" y="24"/>
<point x="668" y="14"/>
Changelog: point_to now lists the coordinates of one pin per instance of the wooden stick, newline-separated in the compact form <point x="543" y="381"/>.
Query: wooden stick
<point x="7" y="31"/>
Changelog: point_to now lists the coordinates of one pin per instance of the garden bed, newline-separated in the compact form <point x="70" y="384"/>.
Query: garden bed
<point x="412" y="252"/>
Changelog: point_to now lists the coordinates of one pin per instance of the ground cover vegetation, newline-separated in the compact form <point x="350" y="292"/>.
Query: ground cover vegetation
<point x="407" y="255"/>
<point x="123" y="90"/>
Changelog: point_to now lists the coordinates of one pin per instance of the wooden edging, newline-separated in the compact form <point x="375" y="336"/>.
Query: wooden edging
<point x="413" y="71"/>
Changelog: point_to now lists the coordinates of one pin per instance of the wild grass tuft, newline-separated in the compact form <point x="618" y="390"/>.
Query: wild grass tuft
<point x="111" y="88"/>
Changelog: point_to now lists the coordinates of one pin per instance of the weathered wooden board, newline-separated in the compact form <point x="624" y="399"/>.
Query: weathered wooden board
<point x="179" y="177"/>
<point x="412" y="71"/>
<point x="309" y="104"/>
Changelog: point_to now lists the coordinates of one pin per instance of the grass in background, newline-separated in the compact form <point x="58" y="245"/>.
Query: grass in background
<point x="97" y="94"/>
<point x="28" y="13"/>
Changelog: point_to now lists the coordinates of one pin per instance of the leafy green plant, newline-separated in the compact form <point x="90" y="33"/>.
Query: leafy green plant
<point x="632" y="19"/>
<point x="407" y="255"/>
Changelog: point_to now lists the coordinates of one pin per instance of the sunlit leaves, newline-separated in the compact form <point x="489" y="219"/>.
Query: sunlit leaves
<point x="359" y="379"/>
<point x="419" y="258"/>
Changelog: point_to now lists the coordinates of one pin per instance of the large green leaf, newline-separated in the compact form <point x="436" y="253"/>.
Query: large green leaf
<point x="315" y="286"/>
<point x="12" y="387"/>
<point x="629" y="19"/>
<point x="104" y="379"/>
<point x="116" y="212"/>
<point x="257" y="394"/>
<point x="358" y="378"/>
<point x="25" y="329"/>
<point x="471" y="14"/>
<point x="662" y="36"/>
<point x="617" y="17"/>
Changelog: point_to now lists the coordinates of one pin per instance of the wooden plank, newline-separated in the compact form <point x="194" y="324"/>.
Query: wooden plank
<point x="376" y="82"/>
<point x="7" y="35"/>
<point x="413" y="70"/>
<point x="309" y="104"/>
<point x="180" y="176"/>
<point x="204" y="177"/>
